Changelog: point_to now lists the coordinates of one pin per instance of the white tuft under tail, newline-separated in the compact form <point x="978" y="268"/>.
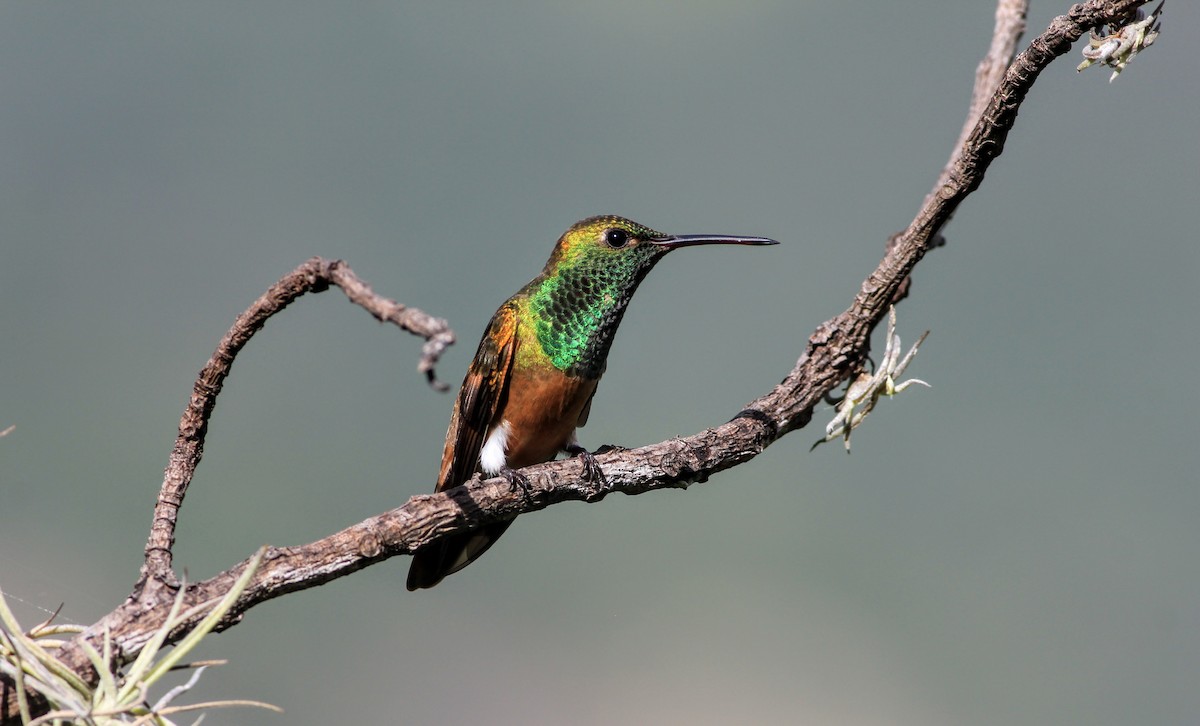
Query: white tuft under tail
<point x="492" y="456"/>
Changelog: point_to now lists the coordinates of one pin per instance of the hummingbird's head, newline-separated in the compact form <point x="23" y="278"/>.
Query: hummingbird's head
<point x="610" y="241"/>
<point x="577" y="302"/>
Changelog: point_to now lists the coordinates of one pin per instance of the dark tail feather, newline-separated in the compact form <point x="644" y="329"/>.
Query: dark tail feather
<point x="450" y="554"/>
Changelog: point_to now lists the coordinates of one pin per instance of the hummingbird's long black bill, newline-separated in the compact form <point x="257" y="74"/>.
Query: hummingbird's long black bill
<point x="688" y="240"/>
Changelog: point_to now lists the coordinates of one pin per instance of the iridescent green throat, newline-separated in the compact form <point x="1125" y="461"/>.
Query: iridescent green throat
<point x="577" y="304"/>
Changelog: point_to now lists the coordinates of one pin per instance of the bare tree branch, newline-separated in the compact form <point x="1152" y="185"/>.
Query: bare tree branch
<point x="833" y="353"/>
<point x="315" y="275"/>
<point x="1006" y="33"/>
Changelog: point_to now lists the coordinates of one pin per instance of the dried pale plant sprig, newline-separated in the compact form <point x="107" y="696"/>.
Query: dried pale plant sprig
<point x="119" y="698"/>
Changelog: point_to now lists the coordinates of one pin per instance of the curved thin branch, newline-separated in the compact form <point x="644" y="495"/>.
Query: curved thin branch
<point x="315" y="275"/>
<point x="833" y="352"/>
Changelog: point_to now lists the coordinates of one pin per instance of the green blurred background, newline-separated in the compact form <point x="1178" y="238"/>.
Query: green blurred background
<point x="1017" y="545"/>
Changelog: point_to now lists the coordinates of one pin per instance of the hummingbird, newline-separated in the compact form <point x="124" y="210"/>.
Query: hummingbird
<point x="531" y="383"/>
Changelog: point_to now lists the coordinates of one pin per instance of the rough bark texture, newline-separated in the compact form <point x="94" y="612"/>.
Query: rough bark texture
<point x="833" y="353"/>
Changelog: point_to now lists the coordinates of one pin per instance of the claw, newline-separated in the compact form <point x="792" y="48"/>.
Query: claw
<point x="591" y="469"/>
<point x="516" y="480"/>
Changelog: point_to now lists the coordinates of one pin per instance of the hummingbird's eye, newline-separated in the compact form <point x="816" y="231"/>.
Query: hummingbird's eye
<point x="616" y="238"/>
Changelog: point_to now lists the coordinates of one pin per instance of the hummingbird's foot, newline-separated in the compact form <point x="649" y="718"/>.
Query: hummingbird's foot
<point x="516" y="481"/>
<point x="591" y="470"/>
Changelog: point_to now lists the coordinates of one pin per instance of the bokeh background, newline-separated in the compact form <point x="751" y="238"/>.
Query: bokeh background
<point x="1016" y="545"/>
